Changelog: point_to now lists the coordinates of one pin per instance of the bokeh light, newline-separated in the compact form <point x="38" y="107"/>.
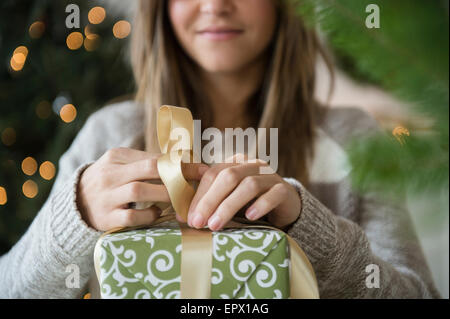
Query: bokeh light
<point x="96" y="15"/>
<point x="47" y="170"/>
<point x="3" y="196"/>
<point x="36" y="29"/>
<point x="21" y="49"/>
<point x="68" y="113"/>
<point x="91" y="42"/>
<point x="9" y="136"/>
<point x="62" y="99"/>
<point x="88" y="30"/>
<point x="43" y="110"/>
<point x="29" y="166"/>
<point x="30" y="189"/>
<point x="400" y="134"/>
<point x="121" y="29"/>
<point x="74" y="40"/>
<point x="18" y="58"/>
<point x="16" y="67"/>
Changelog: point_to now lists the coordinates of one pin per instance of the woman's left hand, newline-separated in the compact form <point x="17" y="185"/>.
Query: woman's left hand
<point x="226" y="188"/>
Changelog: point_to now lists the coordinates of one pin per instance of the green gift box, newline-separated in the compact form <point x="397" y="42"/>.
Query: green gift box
<point x="145" y="263"/>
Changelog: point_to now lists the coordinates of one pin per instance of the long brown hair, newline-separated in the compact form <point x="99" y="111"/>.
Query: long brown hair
<point x="164" y="74"/>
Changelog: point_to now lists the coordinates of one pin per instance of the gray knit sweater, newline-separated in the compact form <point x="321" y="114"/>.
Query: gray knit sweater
<point x="347" y="237"/>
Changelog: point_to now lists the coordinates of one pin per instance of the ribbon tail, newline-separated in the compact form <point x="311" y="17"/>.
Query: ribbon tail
<point x="196" y="263"/>
<point x="303" y="283"/>
<point x="180" y="192"/>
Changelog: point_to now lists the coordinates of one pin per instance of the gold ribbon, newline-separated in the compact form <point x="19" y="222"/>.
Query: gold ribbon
<point x="174" y="122"/>
<point x="196" y="263"/>
<point x="196" y="252"/>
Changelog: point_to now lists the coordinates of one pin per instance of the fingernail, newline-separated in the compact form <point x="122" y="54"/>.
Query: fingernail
<point x="197" y="222"/>
<point x="215" y="222"/>
<point x="251" y="214"/>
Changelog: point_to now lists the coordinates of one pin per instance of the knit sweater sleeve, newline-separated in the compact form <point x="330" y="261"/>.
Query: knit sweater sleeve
<point x="380" y="257"/>
<point x="53" y="259"/>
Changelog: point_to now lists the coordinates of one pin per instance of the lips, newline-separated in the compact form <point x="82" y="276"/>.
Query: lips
<point x="216" y="33"/>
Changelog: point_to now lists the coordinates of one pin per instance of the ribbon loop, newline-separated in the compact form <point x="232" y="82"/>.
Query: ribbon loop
<point x="174" y="122"/>
<point x="175" y="129"/>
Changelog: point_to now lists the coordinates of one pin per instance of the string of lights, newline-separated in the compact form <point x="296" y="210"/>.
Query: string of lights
<point x="52" y="79"/>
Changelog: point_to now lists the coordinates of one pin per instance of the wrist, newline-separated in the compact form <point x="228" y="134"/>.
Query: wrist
<point x="68" y="230"/>
<point x="80" y="205"/>
<point x="296" y="186"/>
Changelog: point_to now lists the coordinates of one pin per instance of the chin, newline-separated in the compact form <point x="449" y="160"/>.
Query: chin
<point x="222" y="65"/>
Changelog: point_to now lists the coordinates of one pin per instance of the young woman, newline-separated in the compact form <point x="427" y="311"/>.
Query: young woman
<point x="234" y="63"/>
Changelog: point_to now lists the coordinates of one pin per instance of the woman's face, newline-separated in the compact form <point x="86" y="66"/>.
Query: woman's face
<point x="223" y="35"/>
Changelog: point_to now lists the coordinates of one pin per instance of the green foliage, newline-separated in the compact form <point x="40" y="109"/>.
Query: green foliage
<point x="407" y="56"/>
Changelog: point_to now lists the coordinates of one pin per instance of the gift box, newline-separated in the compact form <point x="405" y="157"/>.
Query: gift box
<point x="145" y="263"/>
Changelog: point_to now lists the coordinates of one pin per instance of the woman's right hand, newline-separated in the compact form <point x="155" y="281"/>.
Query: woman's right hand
<point x="118" y="178"/>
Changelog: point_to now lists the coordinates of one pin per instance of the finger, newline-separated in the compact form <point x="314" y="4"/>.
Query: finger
<point x="139" y="192"/>
<point x="141" y="170"/>
<point x="267" y="202"/>
<point x="133" y="217"/>
<point x="250" y="188"/>
<point x="225" y="182"/>
<point x="209" y="177"/>
<point x="193" y="171"/>
<point x="124" y="155"/>
<point x="205" y="183"/>
<point x="243" y="159"/>
<point x="237" y="158"/>
<point x="147" y="169"/>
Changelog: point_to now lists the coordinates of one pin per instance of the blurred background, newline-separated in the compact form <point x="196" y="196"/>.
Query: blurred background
<point x="52" y="78"/>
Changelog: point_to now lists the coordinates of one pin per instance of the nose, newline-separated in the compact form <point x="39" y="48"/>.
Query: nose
<point x="216" y="7"/>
